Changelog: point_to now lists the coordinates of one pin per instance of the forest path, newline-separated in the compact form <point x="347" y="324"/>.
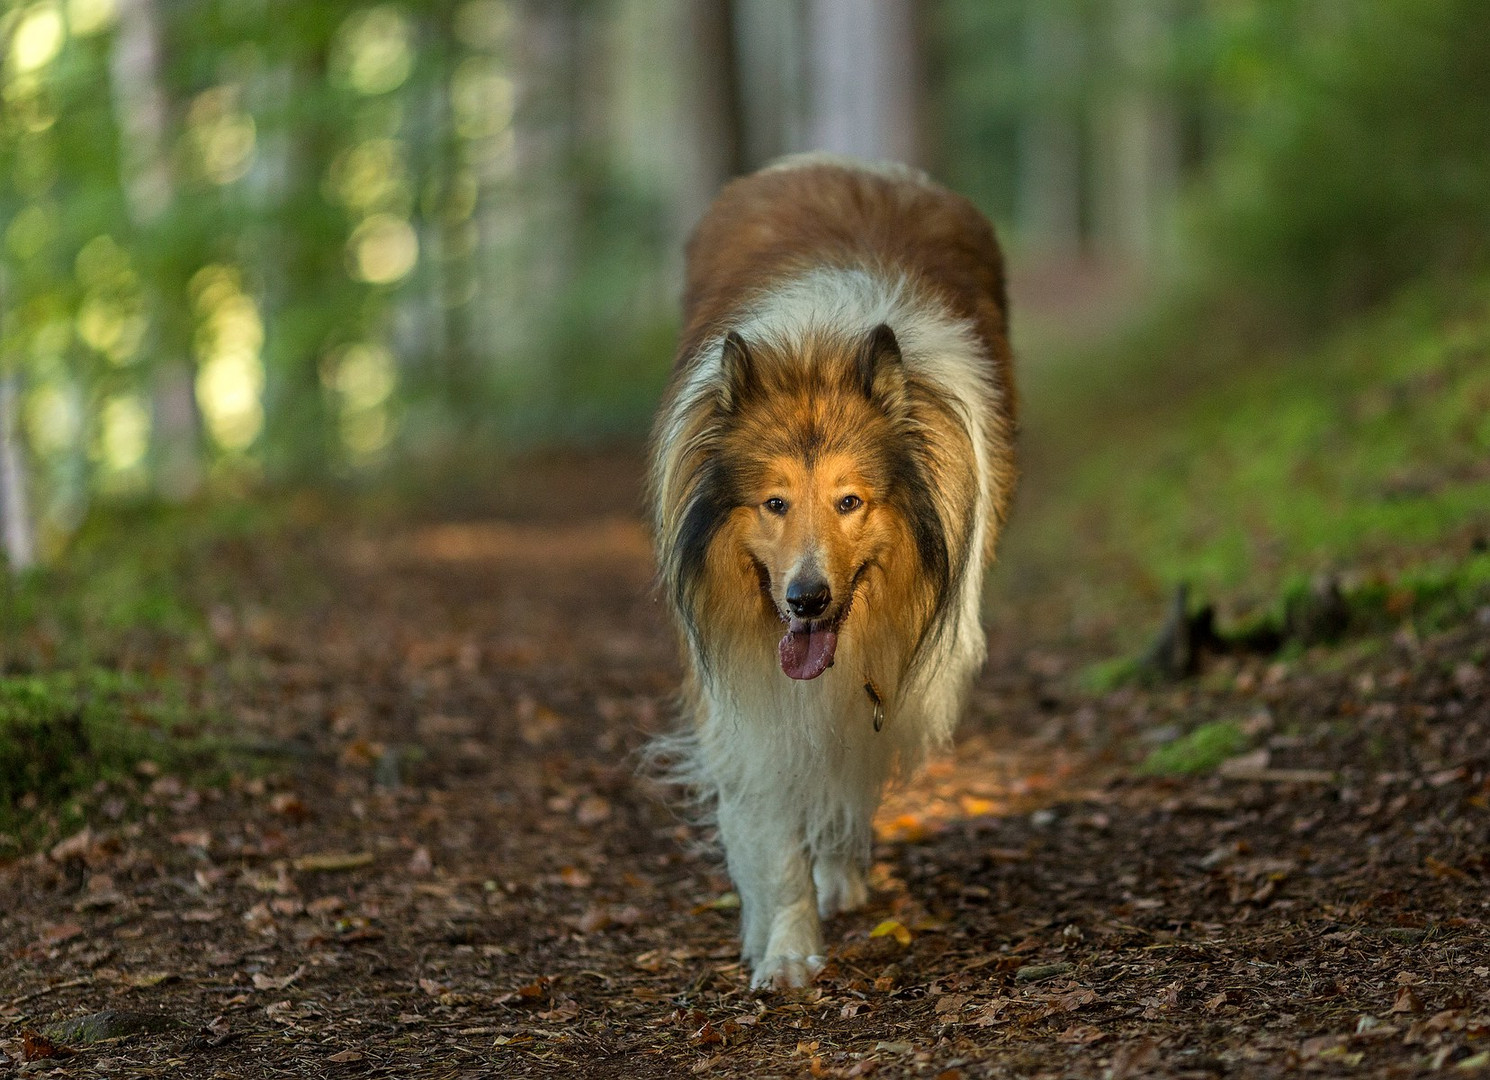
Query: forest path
<point x="462" y="873"/>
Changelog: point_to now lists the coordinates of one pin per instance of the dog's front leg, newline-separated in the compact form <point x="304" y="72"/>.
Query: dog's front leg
<point x="767" y="856"/>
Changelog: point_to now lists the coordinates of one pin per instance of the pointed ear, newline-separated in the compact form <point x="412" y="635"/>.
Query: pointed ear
<point x="879" y="369"/>
<point x="738" y="367"/>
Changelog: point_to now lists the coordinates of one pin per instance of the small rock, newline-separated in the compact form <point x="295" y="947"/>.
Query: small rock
<point x="112" y="1024"/>
<point x="1041" y="972"/>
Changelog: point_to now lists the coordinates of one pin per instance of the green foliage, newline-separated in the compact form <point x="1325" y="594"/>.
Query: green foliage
<point x="1107" y="675"/>
<point x="310" y="239"/>
<point x="138" y="582"/>
<point x="1364" y="454"/>
<point x="63" y="733"/>
<point x="1200" y="751"/>
<point x="84" y="703"/>
<point x="1356" y="157"/>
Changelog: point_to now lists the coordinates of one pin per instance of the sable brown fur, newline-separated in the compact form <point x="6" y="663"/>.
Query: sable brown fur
<point x="777" y="223"/>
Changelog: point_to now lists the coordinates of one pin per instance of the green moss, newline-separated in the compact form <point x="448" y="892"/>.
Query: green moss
<point x="82" y="705"/>
<point x="1198" y="752"/>
<point x="1107" y="675"/>
<point x="1248" y="476"/>
<point x="63" y="733"/>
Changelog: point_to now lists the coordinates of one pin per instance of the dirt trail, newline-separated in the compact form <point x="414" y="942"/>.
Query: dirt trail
<point x="460" y="873"/>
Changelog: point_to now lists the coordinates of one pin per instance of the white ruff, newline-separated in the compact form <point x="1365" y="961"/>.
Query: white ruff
<point x="796" y="769"/>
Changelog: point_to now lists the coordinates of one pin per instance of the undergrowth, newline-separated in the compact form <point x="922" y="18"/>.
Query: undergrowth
<point x="1364" y="458"/>
<point x="98" y="651"/>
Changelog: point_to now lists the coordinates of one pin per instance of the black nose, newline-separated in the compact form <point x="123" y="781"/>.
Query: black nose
<point x="809" y="599"/>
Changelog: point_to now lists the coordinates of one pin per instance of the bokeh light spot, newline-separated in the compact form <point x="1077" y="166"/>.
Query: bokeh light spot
<point x="38" y="38"/>
<point x="123" y="432"/>
<point x="54" y="419"/>
<point x="383" y="249"/>
<point x="373" y="53"/>
<point x="85" y="17"/>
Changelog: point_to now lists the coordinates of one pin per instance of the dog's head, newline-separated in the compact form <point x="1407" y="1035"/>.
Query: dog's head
<point x="825" y="484"/>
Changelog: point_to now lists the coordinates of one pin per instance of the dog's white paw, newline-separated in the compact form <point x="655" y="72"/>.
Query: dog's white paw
<point x="840" y="886"/>
<point x="785" y="971"/>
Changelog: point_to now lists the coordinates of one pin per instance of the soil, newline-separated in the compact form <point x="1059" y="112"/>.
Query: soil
<point x="455" y="867"/>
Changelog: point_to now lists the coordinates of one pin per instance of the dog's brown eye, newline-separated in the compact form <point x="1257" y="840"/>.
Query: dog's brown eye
<point x="775" y="505"/>
<point x="849" y="503"/>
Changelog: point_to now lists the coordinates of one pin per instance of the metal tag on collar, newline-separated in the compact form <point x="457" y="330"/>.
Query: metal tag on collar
<point x="879" y="703"/>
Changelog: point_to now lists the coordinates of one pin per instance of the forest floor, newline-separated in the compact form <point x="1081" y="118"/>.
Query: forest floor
<point x="454" y="866"/>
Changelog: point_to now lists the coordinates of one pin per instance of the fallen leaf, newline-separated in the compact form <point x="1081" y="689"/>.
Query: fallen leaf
<point x="990" y="1014"/>
<point x="906" y="828"/>
<point x="1079" y="998"/>
<point x="361" y="753"/>
<point x="951" y="1003"/>
<point x="325" y="905"/>
<point x="563" y="1012"/>
<point x="1444" y="870"/>
<point x="57" y="934"/>
<point x="345" y="1056"/>
<point x="723" y="902"/>
<point x="1081" y="1035"/>
<point x="267" y="982"/>
<point x="74" y="847"/>
<point x="288" y="804"/>
<point x="420" y="863"/>
<point x="592" y="810"/>
<point x="535" y="989"/>
<point x="37" y="1047"/>
<point x="893" y="928"/>
<point x="1134" y="1059"/>
<point x="536" y="723"/>
<point x="215" y="1033"/>
<point x="596" y="917"/>
<point x="1407" y="1001"/>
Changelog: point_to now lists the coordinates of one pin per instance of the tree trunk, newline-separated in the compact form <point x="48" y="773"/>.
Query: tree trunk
<point x="771" y="46"/>
<point x="1049" y="196"/>
<point x="529" y="231"/>
<point x="16" y="530"/>
<point x="865" y="79"/>
<point x="1138" y="152"/>
<point x="308" y="295"/>
<point x="712" y="82"/>
<point x="142" y="107"/>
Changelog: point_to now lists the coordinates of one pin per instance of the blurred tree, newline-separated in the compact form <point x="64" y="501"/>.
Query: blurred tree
<point x="17" y="537"/>
<point x="299" y="241"/>
<point x="865" y="79"/>
<point x="1355" y="149"/>
<point x="143" y="103"/>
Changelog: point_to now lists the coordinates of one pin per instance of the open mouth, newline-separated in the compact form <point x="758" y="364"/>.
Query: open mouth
<point x="808" y="646"/>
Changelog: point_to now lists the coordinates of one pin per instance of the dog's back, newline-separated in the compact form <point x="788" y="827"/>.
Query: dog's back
<point x="812" y="211"/>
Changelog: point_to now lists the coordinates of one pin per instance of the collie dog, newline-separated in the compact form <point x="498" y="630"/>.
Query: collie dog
<point x="831" y="466"/>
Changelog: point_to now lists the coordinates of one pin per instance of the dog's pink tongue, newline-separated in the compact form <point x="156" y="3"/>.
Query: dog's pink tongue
<point x="806" y="652"/>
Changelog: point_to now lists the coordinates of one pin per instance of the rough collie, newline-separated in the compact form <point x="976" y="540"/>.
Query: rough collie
<point x="831" y="467"/>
